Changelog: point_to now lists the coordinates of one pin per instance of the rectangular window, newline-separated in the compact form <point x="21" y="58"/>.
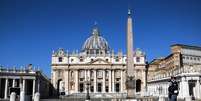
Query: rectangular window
<point x="60" y="59"/>
<point x="138" y="59"/>
<point x="116" y="59"/>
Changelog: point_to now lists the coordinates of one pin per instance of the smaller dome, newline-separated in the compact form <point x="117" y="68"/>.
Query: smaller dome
<point x="95" y="44"/>
<point x="138" y="52"/>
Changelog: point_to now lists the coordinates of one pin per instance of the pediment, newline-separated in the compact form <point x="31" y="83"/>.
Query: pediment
<point x="99" y="61"/>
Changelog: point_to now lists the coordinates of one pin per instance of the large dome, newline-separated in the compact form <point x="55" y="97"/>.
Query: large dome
<point x="95" y="44"/>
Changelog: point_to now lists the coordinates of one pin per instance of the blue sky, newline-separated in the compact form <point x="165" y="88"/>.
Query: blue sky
<point x="31" y="29"/>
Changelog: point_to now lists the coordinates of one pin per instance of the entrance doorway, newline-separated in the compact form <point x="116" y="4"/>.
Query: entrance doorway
<point x="99" y="87"/>
<point x="117" y="87"/>
<point x="138" y="85"/>
<point x="81" y="87"/>
<point x="58" y="86"/>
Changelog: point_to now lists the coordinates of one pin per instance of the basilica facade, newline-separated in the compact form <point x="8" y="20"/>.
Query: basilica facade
<point x="95" y="66"/>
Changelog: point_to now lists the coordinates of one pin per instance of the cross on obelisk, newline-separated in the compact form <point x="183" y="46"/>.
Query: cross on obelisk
<point x="130" y="81"/>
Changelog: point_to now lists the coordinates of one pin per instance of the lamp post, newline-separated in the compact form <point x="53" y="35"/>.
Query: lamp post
<point x="88" y="83"/>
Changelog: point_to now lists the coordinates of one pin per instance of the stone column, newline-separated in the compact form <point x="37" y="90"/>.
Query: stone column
<point x="76" y="81"/>
<point x="88" y="75"/>
<point x="66" y="82"/>
<point x="197" y="90"/>
<point x="13" y="96"/>
<point x="113" y="86"/>
<point x="13" y="83"/>
<point x="184" y="88"/>
<point x="34" y="86"/>
<point x="23" y="86"/>
<point x="122" y="81"/>
<point x="54" y="79"/>
<point x="103" y="91"/>
<point x="200" y="90"/>
<point x="95" y="81"/>
<point x="37" y="97"/>
<point x="6" y="89"/>
<point x="85" y="79"/>
<point x="110" y="81"/>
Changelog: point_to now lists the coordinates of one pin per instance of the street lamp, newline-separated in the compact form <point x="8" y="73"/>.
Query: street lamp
<point x="88" y="83"/>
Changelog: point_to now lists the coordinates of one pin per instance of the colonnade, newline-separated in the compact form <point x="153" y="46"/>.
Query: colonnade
<point x="22" y="85"/>
<point x="111" y="78"/>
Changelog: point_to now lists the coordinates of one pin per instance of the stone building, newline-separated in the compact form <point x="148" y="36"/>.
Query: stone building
<point x="98" y="64"/>
<point x="25" y="79"/>
<point x="184" y="63"/>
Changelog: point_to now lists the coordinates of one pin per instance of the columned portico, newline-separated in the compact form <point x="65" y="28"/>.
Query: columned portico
<point x="23" y="83"/>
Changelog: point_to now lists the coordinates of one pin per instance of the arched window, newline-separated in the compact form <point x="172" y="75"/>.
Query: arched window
<point x="71" y="74"/>
<point x="72" y="60"/>
<point x="106" y="60"/>
<point x="117" y="59"/>
<point x="92" y="59"/>
<point x="60" y="59"/>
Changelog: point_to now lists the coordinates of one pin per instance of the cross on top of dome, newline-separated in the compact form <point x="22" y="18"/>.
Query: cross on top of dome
<point x="95" y="30"/>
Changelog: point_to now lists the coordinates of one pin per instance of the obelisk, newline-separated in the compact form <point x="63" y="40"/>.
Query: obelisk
<point x="130" y="80"/>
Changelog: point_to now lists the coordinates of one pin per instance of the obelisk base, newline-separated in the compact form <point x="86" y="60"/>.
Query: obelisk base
<point x="130" y="94"/>
<point x="130" y="85"/>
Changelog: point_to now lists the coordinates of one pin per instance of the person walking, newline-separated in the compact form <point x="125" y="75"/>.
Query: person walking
<point x="173" y="89"/>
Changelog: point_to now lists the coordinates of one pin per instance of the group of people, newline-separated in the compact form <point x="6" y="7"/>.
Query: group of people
<point x="173" y="89"/>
